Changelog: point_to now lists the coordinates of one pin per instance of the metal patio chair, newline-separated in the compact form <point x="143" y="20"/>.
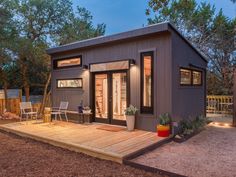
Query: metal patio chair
<point x="27" y="110"/>
<point x="61" y="110"/>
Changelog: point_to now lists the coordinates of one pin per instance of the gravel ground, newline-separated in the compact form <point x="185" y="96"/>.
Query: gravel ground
<point x="212" y="153"/>
<point x="220" y="118"/>
<point x="24" y="157"/>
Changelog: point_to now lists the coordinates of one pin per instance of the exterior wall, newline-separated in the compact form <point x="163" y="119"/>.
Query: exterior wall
<point x="159" y="43"/>
<point x="187" y="101"/>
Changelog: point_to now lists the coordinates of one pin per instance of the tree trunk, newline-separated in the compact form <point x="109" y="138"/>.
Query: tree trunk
<point x="27" y="92"/>
<point x="46" y="95"/>
<point x="5" y="84"/>
<point x="25" y="79"/>
<point x="5" y="95"/>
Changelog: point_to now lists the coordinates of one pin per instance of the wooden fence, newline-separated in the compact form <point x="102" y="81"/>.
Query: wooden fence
<point x="13" y="105"/>
<point x="220" y="104"/>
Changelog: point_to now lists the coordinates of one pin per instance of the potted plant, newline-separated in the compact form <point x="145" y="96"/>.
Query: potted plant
<point x="163" y="129"/>
<point x="86" y="110"/>
<point x="130" y="117"/>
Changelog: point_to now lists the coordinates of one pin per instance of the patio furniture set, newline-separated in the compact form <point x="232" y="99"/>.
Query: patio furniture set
<point x="28" y="112"/>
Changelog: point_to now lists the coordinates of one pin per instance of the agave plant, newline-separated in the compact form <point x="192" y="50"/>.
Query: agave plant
<point x="165" y="119"/>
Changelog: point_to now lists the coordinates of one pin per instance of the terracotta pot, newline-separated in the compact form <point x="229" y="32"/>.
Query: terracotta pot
<point x="130" y="121"/>
<point x="163" y="130"/>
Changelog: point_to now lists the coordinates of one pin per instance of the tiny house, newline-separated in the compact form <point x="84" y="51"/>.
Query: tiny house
<point x="153" y="68"/>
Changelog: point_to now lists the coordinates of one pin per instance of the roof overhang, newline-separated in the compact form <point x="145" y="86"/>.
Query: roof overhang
<point x="145" y="31"/>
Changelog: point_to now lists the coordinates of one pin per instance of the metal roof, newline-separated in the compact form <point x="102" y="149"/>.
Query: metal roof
<point x="148" y="30"/>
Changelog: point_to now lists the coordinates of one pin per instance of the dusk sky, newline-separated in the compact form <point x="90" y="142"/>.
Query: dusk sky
<point x="123" y="15"/>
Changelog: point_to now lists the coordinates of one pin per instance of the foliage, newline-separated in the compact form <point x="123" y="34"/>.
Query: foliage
<point x="28" y="28"/>
<point x="131" y="110"/>
<point x="211" y="32"/>
<point x="79" y="27"/>
<point x="188" y="126"/>
<point x="185" y="127"/>
<point x="165" y="119"/>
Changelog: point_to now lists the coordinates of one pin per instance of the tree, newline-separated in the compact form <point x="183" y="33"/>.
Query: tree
<point x="43" y="23"/>
<point x="211" y="32"/>
<point x="78" y="27"/>
<point x="37" y="20"/>
<point x="38" y="25"/>
<point x="7" y="34"/>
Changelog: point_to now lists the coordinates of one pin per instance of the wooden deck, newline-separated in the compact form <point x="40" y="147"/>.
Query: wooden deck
<point x="87" y="139"/>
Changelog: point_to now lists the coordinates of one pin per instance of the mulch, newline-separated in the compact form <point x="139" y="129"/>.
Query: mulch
<point x="25" y="157"/>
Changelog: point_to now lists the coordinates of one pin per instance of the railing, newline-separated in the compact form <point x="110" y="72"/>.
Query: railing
<point x="220" y="104"/>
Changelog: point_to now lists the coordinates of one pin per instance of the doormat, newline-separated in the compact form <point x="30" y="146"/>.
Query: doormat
<point x="110" y="128"/>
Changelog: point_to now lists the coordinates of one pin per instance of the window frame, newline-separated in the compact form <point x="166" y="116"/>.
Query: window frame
<point x="146" y="109"/>
<point x="191" y="80"/>
<point x="194" y="70"/>
<point x="69" y="87"/>
<point x="55" y="62"/>
<point x="191" y="72"/>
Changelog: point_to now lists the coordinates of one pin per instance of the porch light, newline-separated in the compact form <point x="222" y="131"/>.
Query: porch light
<point x="132" y="62"/>
<point x="85" y="67"/>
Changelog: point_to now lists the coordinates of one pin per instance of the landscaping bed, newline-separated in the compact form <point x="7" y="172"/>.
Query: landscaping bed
<point x="25" y="157"/>
<point x="181" y="139"/>
<point x="212" y="152"/>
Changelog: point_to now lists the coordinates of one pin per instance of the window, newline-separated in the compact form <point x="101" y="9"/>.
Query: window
<point x="197" y="78"/>
<point x="185" y="76"/>
<point x="69" y="83"/>
<point x="147" y="82"/>
<point x="190" y="77"/>
<point x="109" y="66"/>
<point x="67" y="62"/>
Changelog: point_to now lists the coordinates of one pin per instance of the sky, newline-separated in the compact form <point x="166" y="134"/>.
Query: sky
<point x="124" y="15"/>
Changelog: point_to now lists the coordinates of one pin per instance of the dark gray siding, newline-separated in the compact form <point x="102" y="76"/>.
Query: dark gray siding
<point x="187" y="101"/>
<point x="159" y="43"/>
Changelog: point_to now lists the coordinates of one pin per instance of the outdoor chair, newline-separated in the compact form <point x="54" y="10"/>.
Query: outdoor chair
<point x="61" y="110"/>
<point x="27" y="110"/>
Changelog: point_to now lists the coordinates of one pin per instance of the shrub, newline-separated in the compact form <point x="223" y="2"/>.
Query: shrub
<point x="185" y="127"/>
<point x="189" y="126"/>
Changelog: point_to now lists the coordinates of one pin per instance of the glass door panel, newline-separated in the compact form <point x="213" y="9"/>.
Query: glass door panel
<point x="119" y="95"/>
<point x="101" y="96"/>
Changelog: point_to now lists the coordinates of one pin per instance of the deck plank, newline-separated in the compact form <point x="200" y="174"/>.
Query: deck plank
<point x="86" y="138"/>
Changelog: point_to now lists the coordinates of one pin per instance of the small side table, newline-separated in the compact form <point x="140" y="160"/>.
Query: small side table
<point x="84" y="118"/>
<point x="87" y="117"/>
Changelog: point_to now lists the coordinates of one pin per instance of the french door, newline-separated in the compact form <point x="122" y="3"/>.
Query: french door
<point x="110" y="97"/>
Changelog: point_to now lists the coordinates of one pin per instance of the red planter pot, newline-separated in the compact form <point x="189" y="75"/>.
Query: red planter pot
<point x="163" y="130"/>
